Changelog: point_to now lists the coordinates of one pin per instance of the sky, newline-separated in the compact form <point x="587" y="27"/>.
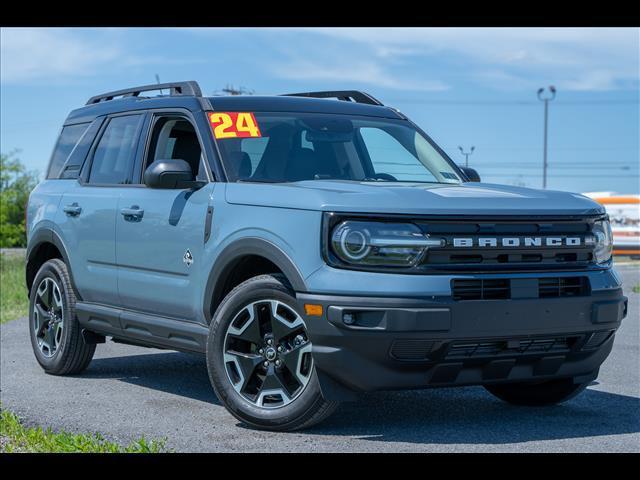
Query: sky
<point x="464" y="86"/>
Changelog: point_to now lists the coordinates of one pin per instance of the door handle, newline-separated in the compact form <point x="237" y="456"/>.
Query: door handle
<point x="132" y="214"/>
<point x="72" y="210"/>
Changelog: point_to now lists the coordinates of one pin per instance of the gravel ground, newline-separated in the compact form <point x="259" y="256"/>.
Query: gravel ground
<point x="127" y="392"/>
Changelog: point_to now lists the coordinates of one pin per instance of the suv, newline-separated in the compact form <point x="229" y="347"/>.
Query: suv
<point x="313" y="246"/>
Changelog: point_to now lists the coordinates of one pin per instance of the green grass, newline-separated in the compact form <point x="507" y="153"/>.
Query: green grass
<point x="14" y="302"/>
<point x="15" y="437"/>
<point x="636" y="289"/>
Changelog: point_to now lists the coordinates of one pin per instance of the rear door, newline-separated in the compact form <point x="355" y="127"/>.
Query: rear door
<point x="160" y="233"/>
<point x="87" y="213"/>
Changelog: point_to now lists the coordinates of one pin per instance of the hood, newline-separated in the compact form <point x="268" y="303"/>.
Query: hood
<point x="411" y="198"/>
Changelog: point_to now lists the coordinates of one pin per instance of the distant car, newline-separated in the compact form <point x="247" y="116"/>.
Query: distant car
<point x="312" y="246"/>
<point x="624" y="212"/>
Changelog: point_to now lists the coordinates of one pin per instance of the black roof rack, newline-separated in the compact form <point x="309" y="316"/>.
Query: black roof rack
<point x="347" y="95"/>
<point x="176" y="88"/>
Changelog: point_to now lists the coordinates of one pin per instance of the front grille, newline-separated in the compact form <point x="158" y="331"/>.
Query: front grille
<point x="411" y="349"/>
<point x="563" y="287"/>
<point x="465" y="350"/>
<point x="481" y="289"/>
<point x="502" y="288"/>
<point x="508" y="244"/>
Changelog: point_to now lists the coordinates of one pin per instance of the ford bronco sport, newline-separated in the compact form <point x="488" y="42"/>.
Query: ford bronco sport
<point x="312" y="246"/>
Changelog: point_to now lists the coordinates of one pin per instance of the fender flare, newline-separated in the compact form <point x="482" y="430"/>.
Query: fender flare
<point x="241" y="248"/>
<point x="47" y="234"/>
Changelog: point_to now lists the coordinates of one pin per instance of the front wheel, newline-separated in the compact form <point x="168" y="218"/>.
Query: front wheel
<point x="259" y="358"/>
<point x="549" y="392"/>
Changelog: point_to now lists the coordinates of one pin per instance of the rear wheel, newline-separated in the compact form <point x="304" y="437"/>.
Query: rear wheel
<point x="55" y="333"/>
<point x="547" y="392"/>
<point x="259" y="358"/>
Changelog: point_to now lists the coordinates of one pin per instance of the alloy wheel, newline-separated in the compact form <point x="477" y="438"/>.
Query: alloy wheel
<point x="267" y="354"/>
<point x="48" y="317"/>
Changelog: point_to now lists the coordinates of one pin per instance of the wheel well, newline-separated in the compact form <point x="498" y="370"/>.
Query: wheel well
<point x="45" y="251"/>
<point x="237" y="272"/>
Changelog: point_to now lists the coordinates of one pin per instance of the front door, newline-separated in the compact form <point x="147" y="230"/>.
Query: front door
<point x="160" y="232"/>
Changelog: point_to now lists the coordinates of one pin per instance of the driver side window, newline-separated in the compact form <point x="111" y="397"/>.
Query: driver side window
<point x="175" y="137"/>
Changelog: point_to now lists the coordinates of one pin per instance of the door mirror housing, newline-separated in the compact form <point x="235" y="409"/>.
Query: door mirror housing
<point x="471" y="174"/>
<point x="170" y="174"/>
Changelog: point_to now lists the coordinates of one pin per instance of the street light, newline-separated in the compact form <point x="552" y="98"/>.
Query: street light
<point x="466" y="155"/>
<point x="546" y="99"/>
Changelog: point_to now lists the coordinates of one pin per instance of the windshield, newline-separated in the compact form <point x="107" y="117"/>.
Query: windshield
<point x="287" y="147"/>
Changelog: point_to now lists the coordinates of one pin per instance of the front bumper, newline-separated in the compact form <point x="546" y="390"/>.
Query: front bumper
<point x="396" y="343"/>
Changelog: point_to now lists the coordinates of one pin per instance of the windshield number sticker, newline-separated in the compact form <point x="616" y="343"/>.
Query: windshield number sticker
<point x="234" y="125"/>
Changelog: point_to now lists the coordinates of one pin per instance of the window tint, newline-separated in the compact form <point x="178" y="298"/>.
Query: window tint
<point x="69" y="138"/>
<point x="176" y="138"/>
<point x="389" y="157"/>
<point x="114" y="155"/>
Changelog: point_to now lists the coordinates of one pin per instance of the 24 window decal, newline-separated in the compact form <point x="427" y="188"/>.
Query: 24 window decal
<point x="234" y="125"/>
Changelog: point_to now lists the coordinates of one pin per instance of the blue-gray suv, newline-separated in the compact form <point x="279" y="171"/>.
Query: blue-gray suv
<point x="313" y="246"/>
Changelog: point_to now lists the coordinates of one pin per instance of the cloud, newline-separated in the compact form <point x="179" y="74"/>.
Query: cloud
<point x="58" y="54"/>
<point x="359" y="71"/>
<point x="574" y="58"/>
<point x="31" y="54"/>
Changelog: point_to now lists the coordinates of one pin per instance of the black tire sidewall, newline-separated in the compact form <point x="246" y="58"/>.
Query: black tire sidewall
<point x="57" y="271"/>
<point x="286" y="417"/>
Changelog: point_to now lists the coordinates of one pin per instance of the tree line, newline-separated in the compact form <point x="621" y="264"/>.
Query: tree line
<point x="16" y="183"/>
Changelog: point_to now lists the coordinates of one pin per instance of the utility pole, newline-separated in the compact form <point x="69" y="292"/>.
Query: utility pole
<point x="158" y="82"/>
<point x="546" y="99"/>
<point x="466" y="155"/>
<point x="231" y="90"/>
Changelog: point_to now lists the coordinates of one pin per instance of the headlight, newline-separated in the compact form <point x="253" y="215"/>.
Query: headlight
<point x="603" y="239"/>
<point x="379" y="244"/>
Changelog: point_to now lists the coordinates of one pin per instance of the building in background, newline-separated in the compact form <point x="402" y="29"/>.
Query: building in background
<point x="624" y="212"/>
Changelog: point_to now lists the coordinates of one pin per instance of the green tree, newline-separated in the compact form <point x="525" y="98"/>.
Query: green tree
<point x="15" y="185"/>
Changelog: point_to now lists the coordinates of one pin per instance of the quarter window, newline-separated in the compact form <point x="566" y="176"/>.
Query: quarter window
<point x="69" y="138"/>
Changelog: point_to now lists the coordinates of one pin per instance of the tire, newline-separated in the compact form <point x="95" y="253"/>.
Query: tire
<point x="549" y="392"/>
<point x="244" y="390"/>
<point x="59" y="347"/>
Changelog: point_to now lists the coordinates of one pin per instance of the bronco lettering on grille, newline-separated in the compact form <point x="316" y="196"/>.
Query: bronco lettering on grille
<point x="510" y="242"/>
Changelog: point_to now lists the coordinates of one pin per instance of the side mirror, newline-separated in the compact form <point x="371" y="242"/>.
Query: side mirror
<point x="470" y="173"/>
<point x="172" y="173"/>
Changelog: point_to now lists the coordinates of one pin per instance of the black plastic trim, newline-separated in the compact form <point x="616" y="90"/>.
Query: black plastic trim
<point x="143" y="328"/>
<point x="47" y="234"/>
<point x="190" y="88"/>
<point x="231" y="254"/>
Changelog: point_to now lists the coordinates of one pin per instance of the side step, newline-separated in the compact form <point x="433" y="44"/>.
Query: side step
<point x="141" y="328"/>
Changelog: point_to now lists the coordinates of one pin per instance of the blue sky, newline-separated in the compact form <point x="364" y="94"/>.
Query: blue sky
<point x="464" y="86"/>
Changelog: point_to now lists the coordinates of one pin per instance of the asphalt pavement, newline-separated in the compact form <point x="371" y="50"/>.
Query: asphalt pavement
<point x="129" y="391"/>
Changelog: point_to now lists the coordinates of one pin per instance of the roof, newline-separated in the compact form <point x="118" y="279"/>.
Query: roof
<point x="246" y="103"/>
<point x="277" y="103"/>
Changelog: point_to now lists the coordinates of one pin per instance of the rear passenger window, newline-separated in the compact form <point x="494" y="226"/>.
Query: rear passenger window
<point x="114" y="156"/>
<point x="69" y="138"/>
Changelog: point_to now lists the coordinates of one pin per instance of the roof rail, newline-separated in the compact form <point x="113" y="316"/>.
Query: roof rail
<point x="347" y="95"/>
<point x="176" y="88"/>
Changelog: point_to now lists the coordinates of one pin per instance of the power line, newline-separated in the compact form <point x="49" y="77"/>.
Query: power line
<point x="513" y="102"/>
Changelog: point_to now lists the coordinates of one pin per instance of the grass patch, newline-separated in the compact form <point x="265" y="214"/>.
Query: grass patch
<point x="15" y="437"/>
<point x="636" y="289"/>
<point x="14" y="302"/>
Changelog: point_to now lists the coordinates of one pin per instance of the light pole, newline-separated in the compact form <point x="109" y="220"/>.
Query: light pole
<point x="466" y="155"/>
<point x="546" y="99"/>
